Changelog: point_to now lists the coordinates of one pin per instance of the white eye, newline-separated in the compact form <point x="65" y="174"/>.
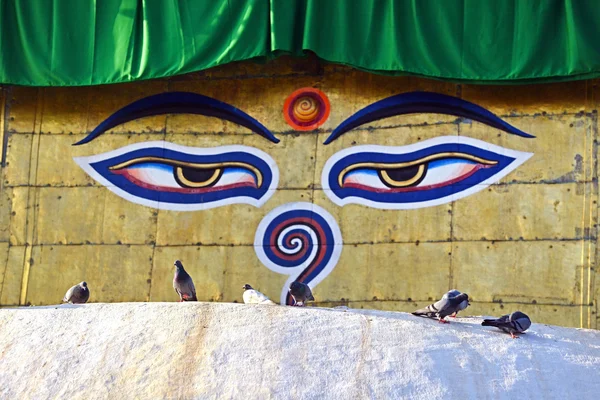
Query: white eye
<point x="365" y="178"/>
<point x="159" y="175"/>
<point x="173" y="177"/>
<point x="236" y="176"/>
<point x="446" y="172"/>
<point x="423" y="174"/>
<point x="152" y="174"/>
<point x="429" y="175"/>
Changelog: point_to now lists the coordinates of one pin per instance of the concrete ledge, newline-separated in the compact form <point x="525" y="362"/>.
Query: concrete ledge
<point x="221" y="350"/>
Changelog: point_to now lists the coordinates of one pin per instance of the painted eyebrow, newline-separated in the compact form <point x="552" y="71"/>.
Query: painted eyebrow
<point x="179" y="103"/>
<point x="423" y="102"/>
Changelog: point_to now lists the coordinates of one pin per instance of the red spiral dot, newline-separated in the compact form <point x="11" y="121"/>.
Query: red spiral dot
<point x="306" y="109"/>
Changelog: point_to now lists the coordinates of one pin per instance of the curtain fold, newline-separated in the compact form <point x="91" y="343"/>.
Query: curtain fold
<point x="89" y="42"/>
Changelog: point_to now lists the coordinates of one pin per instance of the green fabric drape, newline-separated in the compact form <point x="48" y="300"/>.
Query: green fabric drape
<point x="87" y="42"/>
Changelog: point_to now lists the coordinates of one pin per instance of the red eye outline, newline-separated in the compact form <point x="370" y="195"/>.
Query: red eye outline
<point x="306" y="109"/>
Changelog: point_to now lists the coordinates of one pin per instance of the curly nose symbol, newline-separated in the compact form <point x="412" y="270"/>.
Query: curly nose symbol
<point x="301" y="240"/>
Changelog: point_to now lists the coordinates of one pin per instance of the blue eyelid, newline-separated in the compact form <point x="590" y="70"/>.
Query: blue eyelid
<point x="423" y="102"/>
<point x="179" y="103"/>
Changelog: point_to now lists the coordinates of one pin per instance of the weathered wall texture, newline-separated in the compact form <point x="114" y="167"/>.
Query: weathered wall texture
<point x="526" y="242"/>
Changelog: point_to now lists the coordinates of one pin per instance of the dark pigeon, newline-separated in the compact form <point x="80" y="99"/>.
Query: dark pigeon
<point x="462" y="306"/>
<point x="301" y="293"/>
<point x="447" y="305"/>
<point x="78" y="294"/>
<point x="516" y="322"/>
<point x="183" y="284"/>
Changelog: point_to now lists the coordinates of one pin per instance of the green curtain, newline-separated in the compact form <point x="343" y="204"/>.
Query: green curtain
<point x="88" y="42"/>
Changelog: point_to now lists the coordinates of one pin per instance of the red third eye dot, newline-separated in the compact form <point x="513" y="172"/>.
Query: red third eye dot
<point x="306" y="109"/>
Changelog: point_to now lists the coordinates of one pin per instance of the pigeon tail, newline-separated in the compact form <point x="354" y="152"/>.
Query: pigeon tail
<point x="429" y="312"/>
<point x="490" y="322"/>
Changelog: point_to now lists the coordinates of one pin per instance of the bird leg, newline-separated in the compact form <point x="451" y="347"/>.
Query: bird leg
<point x="454" y="315"/>
<point x="512" y="335"/>
<point x="443" y="321"/>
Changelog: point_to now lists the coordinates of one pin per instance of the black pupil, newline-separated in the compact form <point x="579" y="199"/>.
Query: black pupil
<point x="406" y="173"/>
<point x="197" y="175"/>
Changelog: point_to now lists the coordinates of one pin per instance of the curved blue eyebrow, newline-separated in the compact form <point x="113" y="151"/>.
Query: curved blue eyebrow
<point x="179" y="103"/>
<point x="423" y="102"/>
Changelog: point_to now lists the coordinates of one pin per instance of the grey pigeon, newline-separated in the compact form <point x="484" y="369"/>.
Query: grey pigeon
<point x="253" y="296"/>
<point x="300" y="292"/>
<point x="516" y="322"/>
<point x="183" y="284"/>
<point x="444" y="307"/>
<point x="78" y="294"/>
<point x="463" y="305"/>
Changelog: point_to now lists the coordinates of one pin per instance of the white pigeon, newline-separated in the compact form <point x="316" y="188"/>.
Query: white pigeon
<point x="253" y="296"/>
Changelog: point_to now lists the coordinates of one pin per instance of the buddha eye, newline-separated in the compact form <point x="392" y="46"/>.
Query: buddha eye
<point x="429" y="173"/>
<point x="173" y="177"/>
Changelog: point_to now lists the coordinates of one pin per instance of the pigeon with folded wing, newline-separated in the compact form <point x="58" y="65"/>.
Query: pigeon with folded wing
<point x="78" y="294"/>
<point x="516" y="322"/>
<point x="463" y="305"/>
<point x="253" y="296"/>
<point x="183" y="284"/>
<point x="444" y="307"/>
<point x="301" y="293"/>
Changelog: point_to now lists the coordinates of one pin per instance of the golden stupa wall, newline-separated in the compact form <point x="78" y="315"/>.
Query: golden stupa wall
<point x="526" y="241"/>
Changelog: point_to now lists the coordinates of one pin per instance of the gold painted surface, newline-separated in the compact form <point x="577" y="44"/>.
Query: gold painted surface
<point x="2" y="122"/>
<point x="106" y="218"/>
<point x="113" y="273"/>
<point x="56" y="164"/>
<point x="3" y="263"/>
<point x="206" y="265"/>
<point x="22" y="109"/>
<point x="235" y="224"/>
<point x="5" y="210"/>
<point x="16" y="171"/>
<point x="388" y="256"/>
<point x="528" y="211"/>
<point x="103" y="103"/>
<point x="408" y="270"/>
<point x="560" y="148"/>
<point x="554" y="98"/>
<point x="13" y="275"/>
<point x="219" y="272"/>
<point x="356" y="89"/>
<point x="544" y="271"/>
<point x="360" y="224"/>
<point x="18" y="215"/>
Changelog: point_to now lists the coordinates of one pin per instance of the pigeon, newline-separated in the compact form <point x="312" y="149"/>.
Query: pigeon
<point x="463" y="305"/>
<point x="78" y="294"/>
<point x="300" y="292"/>
<point x="253" y="296"/>
<point x="444" y="307"/>
<point x="516" y="322"/>
<point x="183" y="284"/>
